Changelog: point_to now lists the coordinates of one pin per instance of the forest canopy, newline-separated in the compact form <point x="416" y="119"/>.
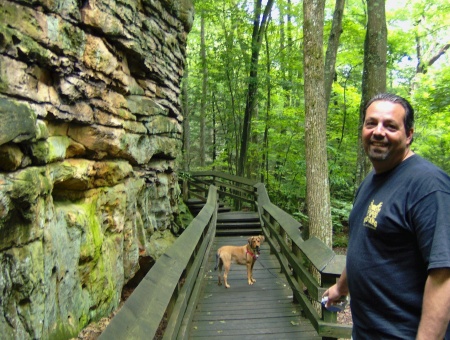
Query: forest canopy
<point x="230" y="37"/>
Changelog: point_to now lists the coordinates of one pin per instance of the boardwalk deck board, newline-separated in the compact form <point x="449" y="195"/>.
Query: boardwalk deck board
<point x="262" y="311"/>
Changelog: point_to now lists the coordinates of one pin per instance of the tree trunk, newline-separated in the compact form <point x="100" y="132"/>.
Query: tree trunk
<point x="233" y="128"/>
<point x="214" y="130"/>
<point x="204" y="91"/>
<point x="423" y="65"/>
<point x="332" y="49"/>
<point x="317" y="187"/>
<point x="186" y="127"/>
<point x="265" y="154"/>
<point x="374" y="72"/>
<point x="259" y="26"/>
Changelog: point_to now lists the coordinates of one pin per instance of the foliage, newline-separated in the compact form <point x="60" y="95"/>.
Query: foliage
<point x="279" y="158"/>
<point x="432" y="109"/>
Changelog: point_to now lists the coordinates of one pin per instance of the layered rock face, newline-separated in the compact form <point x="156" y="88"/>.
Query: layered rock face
<point x="90" y="134"/>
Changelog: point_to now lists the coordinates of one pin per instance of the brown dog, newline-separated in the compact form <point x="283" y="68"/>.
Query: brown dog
<point x="246" y="254"/>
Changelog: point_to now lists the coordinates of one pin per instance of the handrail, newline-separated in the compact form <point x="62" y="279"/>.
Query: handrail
<point x="224" y="175"/>
<point x="238" y="189"/>
<point x="298" y="257"/>
<point x="170" y="284"/>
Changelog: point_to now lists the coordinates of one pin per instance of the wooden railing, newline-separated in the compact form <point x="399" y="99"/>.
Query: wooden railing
<point x="170" y="289"/>
<point x="298" y="258"/>
<point x="240" y="191"/>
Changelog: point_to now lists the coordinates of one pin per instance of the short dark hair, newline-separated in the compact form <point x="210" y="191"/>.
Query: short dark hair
<point x="393" y="98"/>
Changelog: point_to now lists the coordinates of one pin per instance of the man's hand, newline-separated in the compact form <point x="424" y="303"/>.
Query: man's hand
<point x="338" y="290"/>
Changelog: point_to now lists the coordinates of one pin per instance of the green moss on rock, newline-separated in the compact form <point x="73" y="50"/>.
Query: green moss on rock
<point x="18" y="121"/>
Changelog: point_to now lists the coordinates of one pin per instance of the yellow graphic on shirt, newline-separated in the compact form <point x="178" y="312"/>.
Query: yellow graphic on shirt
<point x="372" y="212"/>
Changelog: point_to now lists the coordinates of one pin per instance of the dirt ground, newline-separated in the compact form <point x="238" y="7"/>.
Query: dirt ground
<point x="93" y="330"/>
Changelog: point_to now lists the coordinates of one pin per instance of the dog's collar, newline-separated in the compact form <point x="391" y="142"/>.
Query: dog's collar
<point x="252" y="254"/>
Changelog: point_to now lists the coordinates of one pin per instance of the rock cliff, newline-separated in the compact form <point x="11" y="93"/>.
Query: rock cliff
<point x="90" y="135"/>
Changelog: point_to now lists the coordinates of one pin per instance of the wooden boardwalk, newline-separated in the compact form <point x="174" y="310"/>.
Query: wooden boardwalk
<point x="262" y="311"/>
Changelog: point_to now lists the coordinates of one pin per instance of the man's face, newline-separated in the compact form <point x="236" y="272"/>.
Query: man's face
<point x="385" y="140"/>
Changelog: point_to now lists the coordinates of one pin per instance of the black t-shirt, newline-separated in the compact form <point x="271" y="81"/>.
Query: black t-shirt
<point x="399" y="229"/>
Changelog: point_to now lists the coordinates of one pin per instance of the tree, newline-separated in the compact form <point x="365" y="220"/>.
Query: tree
<point x="374" y="72"/>
<point x="332" y="49"/>
<point x="317" y="187"/>
<point x="432" y="113"/>
<point x="278" y="118"/>
<point x="430" y="17"/>
<point x="259" y="27"/>
<point x="204" y="91"/>
<point x="186" y="127"/>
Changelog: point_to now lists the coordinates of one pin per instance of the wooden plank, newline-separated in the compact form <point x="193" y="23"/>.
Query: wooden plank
<point x="336" y="265"/>
<point x="291" y="226"/>
<point x="285" y="256"/>
<point x="317" y="252"/>
<point x="221" y="184"/>
<point x="237" y="216"/>
<point x="195" y="295"/>
<point x="238" y="328"/>
<point x="237" y="197"/>
<point x="190" y="285"/>
<point x="233" y="178"/>
<point x="141" y="314"/>
<point x="264" y="310"/>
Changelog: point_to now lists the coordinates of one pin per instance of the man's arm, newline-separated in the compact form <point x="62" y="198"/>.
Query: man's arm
<point x="337" y="290"/>
<point x="436" y="305"/>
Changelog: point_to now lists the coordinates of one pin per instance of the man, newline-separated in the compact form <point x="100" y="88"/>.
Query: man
<point x="398" y="257"/>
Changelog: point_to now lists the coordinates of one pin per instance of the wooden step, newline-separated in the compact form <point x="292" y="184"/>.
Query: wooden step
<point x="238" y="223"/>
<point x="238" y="216"/>
<point x="238" y="232"/>
<point x="230" y="223"/>
<point x="195" y="205"/>
<point x="195" y="210"/>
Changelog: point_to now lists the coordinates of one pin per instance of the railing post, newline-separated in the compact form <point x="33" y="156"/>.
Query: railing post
<point x="327" y="316"/>
<point x="310" y="265"/>
<point x="273" y="229"/>
<point x="299" y="255"/>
